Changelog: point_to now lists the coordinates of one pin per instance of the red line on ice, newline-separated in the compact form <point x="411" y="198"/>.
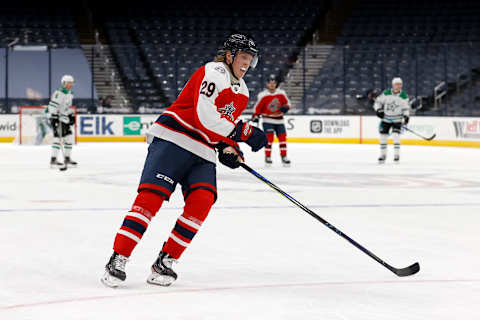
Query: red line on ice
<point x="246" y="287"/>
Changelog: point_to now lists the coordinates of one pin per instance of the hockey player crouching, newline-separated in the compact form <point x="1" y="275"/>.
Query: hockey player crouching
<point x="62" y="118"/>
<point x="272" y="103"/>
<point x="393" y="108"/>
<point x="182" y="151"/>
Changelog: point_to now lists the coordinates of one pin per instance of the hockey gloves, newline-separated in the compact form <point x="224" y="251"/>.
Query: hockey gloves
<point x="229" y="155"/>
<point x="284" y="109"/>
<point x="71" y="119"/>
<point x="251" y="135"/>
<point x="406" y="119"/>
<point x="380" y="113"/>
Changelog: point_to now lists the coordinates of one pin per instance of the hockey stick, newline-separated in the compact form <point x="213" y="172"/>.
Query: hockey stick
<point x="403" y="272"/>
<point x="415" y="133"/>
<point x="419" y="135"/>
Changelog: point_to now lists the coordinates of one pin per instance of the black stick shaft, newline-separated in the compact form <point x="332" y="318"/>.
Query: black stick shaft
<point x="317" y="217"/>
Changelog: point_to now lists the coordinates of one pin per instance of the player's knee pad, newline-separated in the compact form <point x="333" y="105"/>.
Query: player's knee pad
<point x="383" y="138"/>
<point x="68" y="139"/>
<point x="198" y="204"/>
<point x="56" y="140"/>
<point x="282" y="137"/>
<point x="147" y="203"/>
<point x="396" y="137"/>
<point x="270" y="136"/>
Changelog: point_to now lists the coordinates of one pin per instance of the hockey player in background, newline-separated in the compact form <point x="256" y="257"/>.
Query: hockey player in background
<point x="183" y="144"/>
<point x="272" y="103"/>
<point x="393" y="109"/>
<point x="62" y="118"/>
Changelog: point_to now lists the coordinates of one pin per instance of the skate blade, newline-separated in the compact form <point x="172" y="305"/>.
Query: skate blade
<point x="71" y="165"/>
<point x="160" y="280"/>
<point x="381" y="162"/>
<point x="268" y="165"/>
<point x="56" y="166"/>
<point x="286" y="165"/>
<point x="110" y="281"/>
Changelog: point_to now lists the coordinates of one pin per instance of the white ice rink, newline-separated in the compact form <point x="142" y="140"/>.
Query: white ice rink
<point x="257" y="256"/>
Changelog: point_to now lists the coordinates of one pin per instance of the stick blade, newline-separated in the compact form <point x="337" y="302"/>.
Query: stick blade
<point x="408" y="271"/>
<point x="63" y="168"/>
<point x="432" y="137"/>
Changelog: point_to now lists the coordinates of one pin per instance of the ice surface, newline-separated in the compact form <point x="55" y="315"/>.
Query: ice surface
<point x="257" y="256"/>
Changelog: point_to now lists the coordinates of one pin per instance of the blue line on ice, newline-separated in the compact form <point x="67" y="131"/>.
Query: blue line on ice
<point x="391" y="205"/>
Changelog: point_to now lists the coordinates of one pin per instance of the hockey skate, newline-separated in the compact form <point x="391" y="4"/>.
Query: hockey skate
<point x="70" y="163"/>
<point x="162" y="272"/>
<point x="382" y="159"/>
<point x="396" y="159"/>
<point x="268" y="161"/>
<point x="285" y="161"/>
<point x="115" y="271"/>
<point x="54" y="163"/>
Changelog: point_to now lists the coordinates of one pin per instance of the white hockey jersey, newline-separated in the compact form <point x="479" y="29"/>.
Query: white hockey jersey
<point x="61" y="104"/>
<point x="205" y="112"/>
<point x="395" y="105"/>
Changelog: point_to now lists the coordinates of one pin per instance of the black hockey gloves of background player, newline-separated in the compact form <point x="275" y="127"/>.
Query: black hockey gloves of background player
<point x="380" y="113"/>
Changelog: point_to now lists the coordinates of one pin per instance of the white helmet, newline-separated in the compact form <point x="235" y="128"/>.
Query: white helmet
<point x="67" y="78"/>
<point x="397" y="80"/>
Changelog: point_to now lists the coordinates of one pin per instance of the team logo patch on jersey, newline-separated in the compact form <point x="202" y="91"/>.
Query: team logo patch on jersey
<point x="274" y="105"/>
<point x="220" y="69"/>
<point x="228" y="110"/>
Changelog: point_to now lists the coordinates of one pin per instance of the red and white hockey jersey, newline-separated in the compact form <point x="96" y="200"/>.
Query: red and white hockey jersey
<point x="205" y="112"/>
<point x="268" y="105"/>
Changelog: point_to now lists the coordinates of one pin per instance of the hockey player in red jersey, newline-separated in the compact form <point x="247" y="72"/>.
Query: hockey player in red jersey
<point x="272" y="104"/>
<point x="183" y="145"/>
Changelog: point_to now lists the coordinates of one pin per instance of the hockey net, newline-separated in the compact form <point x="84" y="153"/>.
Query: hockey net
<point x="34" y="127"/>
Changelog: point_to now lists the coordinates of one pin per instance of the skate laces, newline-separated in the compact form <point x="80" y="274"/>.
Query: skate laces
<point x="119" y="262"/>
<point x="168" y="261"/>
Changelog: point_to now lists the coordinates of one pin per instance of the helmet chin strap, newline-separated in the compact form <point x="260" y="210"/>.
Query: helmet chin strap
<point x="230" y="66"/>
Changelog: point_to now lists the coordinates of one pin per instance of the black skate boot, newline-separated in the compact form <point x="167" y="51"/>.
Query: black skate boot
<point x="69" y="162"/>
<point x="285" y="161"/>
<point x="396" y="159"/>
<point x="268" y="161"/>
<point x="54" y="163"/>
<point x="115" y="271"/>
<point x="381" y="160"/>
<point x="162" y="272"/>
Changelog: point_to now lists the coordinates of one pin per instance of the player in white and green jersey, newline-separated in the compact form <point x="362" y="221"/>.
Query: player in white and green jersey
<point x="62" y="117"/>
<point x="393" y="108"/>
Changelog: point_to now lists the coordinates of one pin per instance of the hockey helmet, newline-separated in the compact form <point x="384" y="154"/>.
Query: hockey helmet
<point x="67" y="78"/>
<point x="397" y="80"/>
<point x="272" y="77"/>
<point x="240" y="42"/>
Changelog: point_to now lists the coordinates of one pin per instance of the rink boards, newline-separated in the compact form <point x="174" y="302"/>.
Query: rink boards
<point x="451" y="131"/>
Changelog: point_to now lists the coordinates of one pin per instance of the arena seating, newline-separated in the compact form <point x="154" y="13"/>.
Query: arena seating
<point x="53" y="27"/>
<point x="167" y="46"/>
<point x="424" y="43"/>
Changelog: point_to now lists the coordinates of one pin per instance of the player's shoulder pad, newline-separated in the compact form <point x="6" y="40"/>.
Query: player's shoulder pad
<point x="244" y="88"/>
<point x="387" y="92"/>
<point x="217" y="73"/>
<point x="281" y="91"/>
<point x="262" y="94"/>
<point x="403" y="95"/>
